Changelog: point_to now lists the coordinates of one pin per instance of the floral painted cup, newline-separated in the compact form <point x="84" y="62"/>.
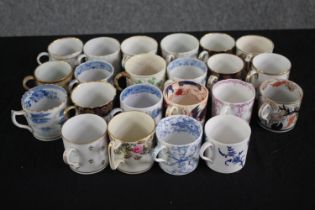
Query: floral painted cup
<point x="233" y="96"/>
<point x="279" y="104"/>
<point x="226" y="145"/>
<point x="186" y="98"/>
<point x="131" y="142"/>
<point x="43" y="107"/>
<point x="179" y="140"/>
<point x="143" y="68"/>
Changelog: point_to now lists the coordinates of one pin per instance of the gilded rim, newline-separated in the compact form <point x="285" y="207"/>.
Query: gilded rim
<point x="56" y="81"/>
<point x="252" y="35"/>
<point x="67" y="56"/>
<point x="228" y="54"/>
<point x="210" y="50"/>
<point x="262" y="72"/>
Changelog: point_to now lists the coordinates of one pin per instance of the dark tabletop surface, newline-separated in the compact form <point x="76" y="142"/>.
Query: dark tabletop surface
<point x="279" y="171"/>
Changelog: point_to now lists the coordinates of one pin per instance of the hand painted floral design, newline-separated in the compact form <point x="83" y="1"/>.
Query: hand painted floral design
<point x="233" y="157"/>
<point x="134" y="150"/>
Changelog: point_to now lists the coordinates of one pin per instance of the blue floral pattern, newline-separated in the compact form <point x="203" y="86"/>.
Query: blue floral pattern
<point x="91" y="65"/>
<point x="140" y="88"/>
<point x="156" y="112"/>
<point x="39" y="118"/>
<point x="180" y="62"/>
<point x="232" y="157"/>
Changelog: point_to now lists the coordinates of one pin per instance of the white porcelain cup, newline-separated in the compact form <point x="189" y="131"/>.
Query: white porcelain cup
<point x="137" y="45"/>
<point x="85" y="140"/>
<point x="92" y="71"/>
<point x="64" y="49"/>
<point x="233" y="96"/>
<point x="43" y="107"/>
<point x="179" y="45"/>
<point x="226" y="145"/>
<point x="102" y="49"/>
<point x="190" y="69"/>
<point x="267" y="66"/>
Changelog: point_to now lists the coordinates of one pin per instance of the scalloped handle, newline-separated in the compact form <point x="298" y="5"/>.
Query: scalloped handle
<point x="13" y="118"/>
<point x="114" y="162"/>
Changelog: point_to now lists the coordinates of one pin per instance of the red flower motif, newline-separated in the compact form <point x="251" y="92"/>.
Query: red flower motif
<point x="179" y="92"/>
<point x="137" y="149"/>
<point x="279" y="83"/>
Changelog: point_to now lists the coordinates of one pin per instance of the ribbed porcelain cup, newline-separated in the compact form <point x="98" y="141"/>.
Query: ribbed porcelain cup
<point x="51" y="72"/>
<point x="227" y="138"/>
<point x="233" y="96"/>
<point x="179" y="140"/>
<point x="267" y="66"/>
<point x="137" y="45"/>
<point x="179" y="45"/>
<point x="214" y="43"/>
<point x="102" y="49"/>
<point x="43" y="107"/>
<point x="224" y="66"/>
<point x="92" y="71"/>
<point x="65" y="49"/>
<point x="143" y="68"/>
<point x="131" y="142"/>
<point x="85" y="142"/>
<point x="186" y="98"/>
<point x="279" y="104"/>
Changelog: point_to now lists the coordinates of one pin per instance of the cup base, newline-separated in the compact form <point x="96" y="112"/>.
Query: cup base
<point x="179" y="174"/>
<point x="40" y="138"/>
<point x="275" y="131"/>
<point x="88" y="173"/>
<point x="221" y="172"/>
<point x="134" y="173"/>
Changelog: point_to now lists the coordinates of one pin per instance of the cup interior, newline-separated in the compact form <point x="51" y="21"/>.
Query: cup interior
<point x="178" y="130"/>
<point x="145" y="64"/>
<point x="65" y="46"/>
<point x="254" y="44"/>
<point x="281" y="91"/>
<point x="52" y="71"/>
<point x="179" y="43"/>
<point x="138" y="45"/>
<point x="225" y="63"/>
<point x="271" y="63"/>
<point x="93" y="94"/>
<point x="186" y="68"/>
<point x="93" y="71"/>
<point x="185" y="93"/>
<point x="136" y="126"/>
<point x="44" y="98"/>
<point x="227" y="129"/>
<point x="101" y="46"/>
<point x="141" y="96"/>
<point x="84" y="128"/>
<point x="217" y="42"/>
<point x="233" y="91"/>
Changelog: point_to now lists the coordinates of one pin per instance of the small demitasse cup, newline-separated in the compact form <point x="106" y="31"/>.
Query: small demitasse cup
<point x="51" y="72"/>
<point x="85" y="141"/>
<point x="143" y="68"/>
<point x="279" y="104"/>
<point x="137" y="45"/>
<point x="102" y="49"/>
<point x="64" y="49"/>
<point x="131" y="142"/>
<point x="142" y="97"/>
<point x="92" y="71"/>
<point x="227" y="138"/>
<point x="213" y="43"/>
<point x="178" y="144"/>
<point x="179" y="45"/>
<point x="233" y="96"/>
<point x="190" y="69"/>
<point x="186" y="98"/>
<point x="224" y="66"/>
<point x="247" y="47"/>
<point x="92" y="97"/>
<point x="267" y="66"/>
<point x="43" y="107"/>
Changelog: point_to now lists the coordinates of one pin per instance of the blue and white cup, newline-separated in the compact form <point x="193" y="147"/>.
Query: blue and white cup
<point x="43" y="107"/>
<point x="179" y="140"/>
<point x="190" y="69"/>
<point x="226" y="145"/>
<point x="142" y="97"/>
<point x="91" y="71"/>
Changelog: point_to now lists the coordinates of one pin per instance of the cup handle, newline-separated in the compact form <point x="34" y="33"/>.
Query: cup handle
<point x="112" y="114"/>
<point x="171" y="110"/>
<point x="13" y="118"/>
<point x="72" y="84"/>
<point x="68" y="109"/>
<point x="248" y="59"/>
<point x="168" y="82"/>
<point x="212" y="79"/>
<point x="263" y="113"/>
<point x="80" y="58"/>
<point x="226" y="110"/>
<point x="252" y="74"/>
<point x="113" y="162"/>
<point x="169" y="58"/>
<point x="26" y="80"/>
<point x="203" y="148"/>
<point x="67" y="158"/>
<point x="118" y="76"/>
<point x="40" y="55"/>
<point x="156" y="152"/>
<point x="203" y="56"/>
<point x="124" y="60"/>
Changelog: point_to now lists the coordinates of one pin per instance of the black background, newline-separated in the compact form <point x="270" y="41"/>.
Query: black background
<point x="279" y="172"/>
